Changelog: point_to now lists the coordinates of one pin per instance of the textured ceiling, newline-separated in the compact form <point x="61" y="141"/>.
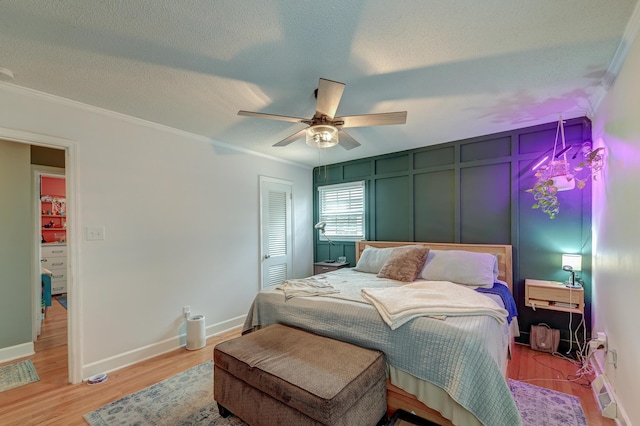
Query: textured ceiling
<point x="460" y="68"/>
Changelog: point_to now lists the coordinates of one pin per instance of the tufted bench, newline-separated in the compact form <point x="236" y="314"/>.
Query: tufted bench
<point x="283" y="375"/>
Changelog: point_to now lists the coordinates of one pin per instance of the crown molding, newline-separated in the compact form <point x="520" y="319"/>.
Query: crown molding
<point x="36" y="94"/>
<point x="628" y="37"/>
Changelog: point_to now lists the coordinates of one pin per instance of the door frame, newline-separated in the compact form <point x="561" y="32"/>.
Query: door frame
<point x="263" y="180"/>
<point x="74" y="287"/>
<point x="37" y="172"/>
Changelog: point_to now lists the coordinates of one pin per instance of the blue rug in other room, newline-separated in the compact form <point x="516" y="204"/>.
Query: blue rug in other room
<point x="62" y="300"/>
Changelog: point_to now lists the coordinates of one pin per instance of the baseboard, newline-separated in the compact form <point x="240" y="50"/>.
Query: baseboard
<point x="604" y="396"/>
<point x="18" y="351"/>
<point x="603" y="389"/>
<point x="135" y="356"/>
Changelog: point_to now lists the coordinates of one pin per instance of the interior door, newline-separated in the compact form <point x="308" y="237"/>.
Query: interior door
<point x="275" y="224"/>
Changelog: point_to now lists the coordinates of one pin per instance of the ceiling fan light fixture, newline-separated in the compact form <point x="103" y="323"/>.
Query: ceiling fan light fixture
<point x="322" y="136"/>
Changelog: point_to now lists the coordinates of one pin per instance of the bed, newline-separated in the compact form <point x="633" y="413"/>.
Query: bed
<point x="446" y="368"/>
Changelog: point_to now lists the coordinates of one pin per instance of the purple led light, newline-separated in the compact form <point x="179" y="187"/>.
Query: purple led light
<point x="540" y="163"/>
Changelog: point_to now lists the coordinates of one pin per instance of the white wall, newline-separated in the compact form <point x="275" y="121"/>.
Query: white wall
<point x="181" y="222"/>
<point x="616" y="225"/>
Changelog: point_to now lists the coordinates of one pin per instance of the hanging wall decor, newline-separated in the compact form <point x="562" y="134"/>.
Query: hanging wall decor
<point x="592" y="162"/>
<point x="557" y="174"/>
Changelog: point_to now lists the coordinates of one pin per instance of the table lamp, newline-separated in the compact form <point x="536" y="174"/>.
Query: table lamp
<point x="572" y="263"/>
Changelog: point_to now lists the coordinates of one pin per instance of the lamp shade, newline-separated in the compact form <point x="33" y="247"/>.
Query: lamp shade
<point x="322" y="136"/>
<point x="573" y="260"/>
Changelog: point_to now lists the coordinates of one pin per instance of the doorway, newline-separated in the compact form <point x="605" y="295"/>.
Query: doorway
<point x="73" y="317"/>
<point x="49" y="189"/>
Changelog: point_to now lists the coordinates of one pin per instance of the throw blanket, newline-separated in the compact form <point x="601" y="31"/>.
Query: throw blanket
<point x="507" y="299"/>
<point x="397" y="305"/>
<point x="312" y="286"/>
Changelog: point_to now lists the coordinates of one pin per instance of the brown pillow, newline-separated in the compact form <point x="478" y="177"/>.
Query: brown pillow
<point x="404" y="263"/>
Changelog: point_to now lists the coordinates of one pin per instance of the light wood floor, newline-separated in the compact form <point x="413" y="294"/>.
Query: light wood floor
<point x="52" y="401"/>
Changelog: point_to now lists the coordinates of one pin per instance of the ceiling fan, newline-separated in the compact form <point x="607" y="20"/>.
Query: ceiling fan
<point x="324" y="128"/>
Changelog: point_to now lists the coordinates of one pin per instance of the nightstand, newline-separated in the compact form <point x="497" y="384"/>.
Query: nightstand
<point x="322" y="267"/>
<point x="553" y="295"/>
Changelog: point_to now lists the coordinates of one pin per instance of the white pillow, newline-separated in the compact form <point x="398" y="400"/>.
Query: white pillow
<point x="372" y="258"/>
<point x="462" y="267"/>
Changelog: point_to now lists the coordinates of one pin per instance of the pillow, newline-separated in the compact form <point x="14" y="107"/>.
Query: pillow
<point x="404" y="263"/>
<point x="372" y="259"/>
<point x="462" y="267"/>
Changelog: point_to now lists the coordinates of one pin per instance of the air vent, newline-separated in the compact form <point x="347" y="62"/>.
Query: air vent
<point x="604" y="397"/>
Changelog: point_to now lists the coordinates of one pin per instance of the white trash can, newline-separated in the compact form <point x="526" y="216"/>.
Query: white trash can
<point x="196" y="338"/>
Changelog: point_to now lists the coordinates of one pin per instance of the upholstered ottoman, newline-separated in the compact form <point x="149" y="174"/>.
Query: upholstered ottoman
<point x="281" y="375"/>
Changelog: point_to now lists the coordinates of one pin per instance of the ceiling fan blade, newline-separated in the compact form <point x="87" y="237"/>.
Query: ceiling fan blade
<point x="381" y="119"/>
<point x="273" y="116"/>
<point x="346" y="141"/>
<point x="329" y="95"/>
<point x="286" y="141"/>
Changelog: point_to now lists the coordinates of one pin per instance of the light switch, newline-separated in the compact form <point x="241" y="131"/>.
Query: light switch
<point x="95" y="233"/>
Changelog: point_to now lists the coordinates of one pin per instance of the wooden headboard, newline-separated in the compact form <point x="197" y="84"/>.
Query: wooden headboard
<point x="504" y="253"/>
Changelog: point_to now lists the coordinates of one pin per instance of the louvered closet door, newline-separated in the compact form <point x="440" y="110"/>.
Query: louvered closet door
<point x="275" y="232"/>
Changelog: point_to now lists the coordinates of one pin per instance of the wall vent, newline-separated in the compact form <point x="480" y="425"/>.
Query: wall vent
<point x="604" y="397"/>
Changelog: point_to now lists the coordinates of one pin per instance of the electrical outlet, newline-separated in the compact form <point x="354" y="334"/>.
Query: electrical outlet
<point x="95" y="233"/>
<point x="599" y="341"/>
<point x="602" y="338"/>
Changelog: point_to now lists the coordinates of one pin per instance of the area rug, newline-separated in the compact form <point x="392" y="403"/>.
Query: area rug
<point x="62" y="300"/>
<point x="17" y="374"/>
<point x="184" y="399"/>
<point x="541" y="406"/>
<point x="187" y="399"/>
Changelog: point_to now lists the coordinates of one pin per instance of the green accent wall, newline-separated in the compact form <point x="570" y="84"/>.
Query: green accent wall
<point x="473" y="191"/>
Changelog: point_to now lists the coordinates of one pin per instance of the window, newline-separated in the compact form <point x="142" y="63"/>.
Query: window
<point x="341" y="206"/>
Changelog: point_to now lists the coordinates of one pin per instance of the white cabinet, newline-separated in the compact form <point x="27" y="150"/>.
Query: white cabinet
<point x="54" y="258"/>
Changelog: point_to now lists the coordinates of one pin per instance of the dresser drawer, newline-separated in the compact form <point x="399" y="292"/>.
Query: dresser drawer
<point x="52" y="263"/>
<point x="559" y="294"/>
<point x="58" y="287"/>
<point x="323" y="267"/>
<point x="54" y="251"/>
<point x="58" y="281"/>
<point x="553" y="295"/>
<point x="58" y="275"/>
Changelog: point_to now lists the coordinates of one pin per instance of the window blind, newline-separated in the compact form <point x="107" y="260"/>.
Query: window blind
<point x="341" y="206"/>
